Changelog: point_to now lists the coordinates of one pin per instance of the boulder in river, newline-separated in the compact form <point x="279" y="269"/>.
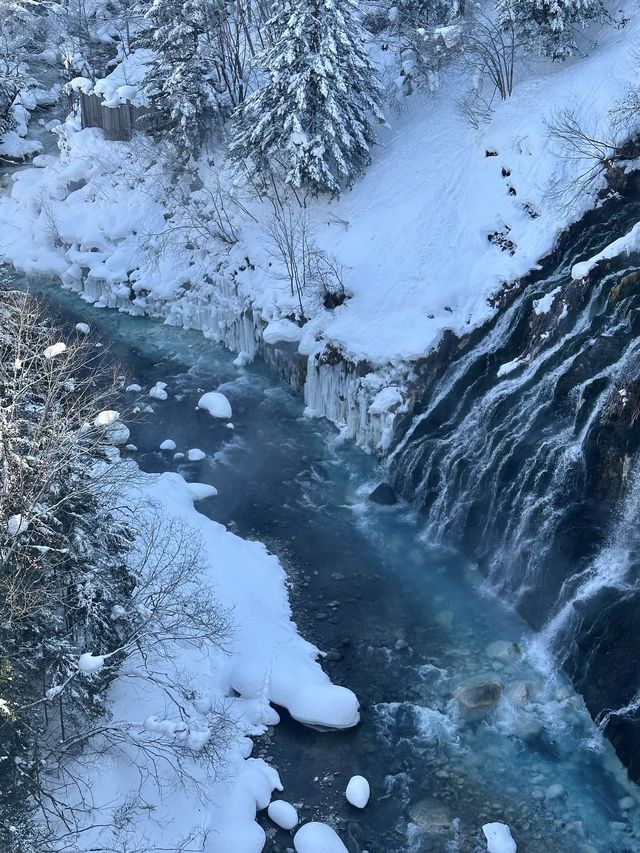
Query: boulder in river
<point x="383" y="495"/>
<point x="430" y="814"/>
<point x="479" y="696"/>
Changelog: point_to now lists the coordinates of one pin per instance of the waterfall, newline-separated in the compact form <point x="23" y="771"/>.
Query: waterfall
<point x="522" y="450"/>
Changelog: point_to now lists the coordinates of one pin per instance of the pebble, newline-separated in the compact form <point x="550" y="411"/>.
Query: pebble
<point x="554" y="792"/>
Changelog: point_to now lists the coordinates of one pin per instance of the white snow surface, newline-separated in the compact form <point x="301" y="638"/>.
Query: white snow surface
<point x="264" y="651"/>
<point x="499" y="838"/>
<point x="627" y="244"/>
<point x="216" y="404"/>
<point x="283" y="814"/>
<point x="358" y="791"/>
<point x="317" y="837"/>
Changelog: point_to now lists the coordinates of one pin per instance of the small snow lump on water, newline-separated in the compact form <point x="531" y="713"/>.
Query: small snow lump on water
<point x="317" y="837"/>
<point x="358" y="791"/>
<point x="283" y="814"/>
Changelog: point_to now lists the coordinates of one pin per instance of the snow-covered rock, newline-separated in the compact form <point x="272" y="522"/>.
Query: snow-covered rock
<point x="200" y="491"/>
<point x="158" y="391"/>
<point x="195" y="454"/>
<point x="168" y="444"/>
<point x="358" y="791"/>
<point x="283" y="814"/>
<point x="55" y="349"/>
<point x="282" y="330"/>
<point x="106" y="418"/>
<point x="499" y="838"/>
<point x="134" y="388"/>
<point x="216" y="404"/>
<point x="83" y="328"/>
<point x="242" y="359"/>
<point x="317" y="837"/>
<point x="115" y="431"/>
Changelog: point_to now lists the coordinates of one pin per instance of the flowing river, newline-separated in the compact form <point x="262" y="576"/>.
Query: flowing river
<point x="406" y="624"/>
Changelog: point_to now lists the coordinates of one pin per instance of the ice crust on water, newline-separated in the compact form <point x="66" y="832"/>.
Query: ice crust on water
<point x="358" y="791"/>
<point x="318" y="837"/>
<point x="216" y="404"/>
<point x="499" y="838"/>
<point x="283" y="814"/>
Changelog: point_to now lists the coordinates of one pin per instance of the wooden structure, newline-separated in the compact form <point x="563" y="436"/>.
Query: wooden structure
<point x="117" y="123"/>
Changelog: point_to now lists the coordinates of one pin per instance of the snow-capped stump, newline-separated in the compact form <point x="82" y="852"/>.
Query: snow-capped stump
<point x="283" y="814"/>
<point x="158" y="391"/>
<point x="168" y="444"/>
<point x="134" y="388"/>
<point x="216" y="404"/>
<point x="195" y="454"/>
<point x="499" y="838"/>
<point x="54" y="350"/>
<point x="358" y="792"/>
<point x="83" y="328"/>
<point x="16" y="525"/>
<point x="90" y="663"/>
<point x="317" y="837"/>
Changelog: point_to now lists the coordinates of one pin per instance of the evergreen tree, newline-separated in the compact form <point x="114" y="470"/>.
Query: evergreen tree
<point x="548" y="27"/>
<point x="312" y="115"/>
<point x="180" y="81"/>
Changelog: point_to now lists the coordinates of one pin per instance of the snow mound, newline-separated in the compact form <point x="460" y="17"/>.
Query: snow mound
<point x="16" y="525"/>
<point x="168" y="444"/>
<point x="385" y="400"/>
<point x="283" y="814"/>
<point x="158" y="391"/>
<point x="317" y="837"/>
<point x="358" y="791"/>
<point x="54" y="350"/>
<point x="282" y="330"/>
<point x="499" y="839"/>
<point x="200" y="491"/>
<point x="195" y="454"/>
<point x="216" y="404"/>
<point x="90" y="663"/>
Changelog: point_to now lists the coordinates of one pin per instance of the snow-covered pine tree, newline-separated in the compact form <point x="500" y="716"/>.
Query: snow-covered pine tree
<point x="426" y="33"/>
<point x="180" y="80"/>
<point x="313" y="115"/>
<point x="548" y="27"/>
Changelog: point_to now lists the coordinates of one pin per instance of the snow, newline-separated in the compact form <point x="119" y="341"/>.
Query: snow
<point x="54" y="350"/>
<point x="168" y="444"/>
<point x="216" y="404"/>
<point x="115" y="431"/>
<point x="263" y="649"/>
<point x="195" y="454"/>
<point x="106" y="418"/>
<point x="200" y="491"/>
<point x="510" y="366"/>
<point x="83" y="328"/>
<point x="242" y="359"/>
<point x="282" y="330"/>
<point x="283" y="814"/>
<point x="385" y="400"/>
<point x="158" y="391"/>
<point x="134" y="388"/>
<point x="90" y="663"/>
<point x="499" y="838"/>
<point x="545" y="303"/>
<point x="358" y="791"/>
<point x="17" y="524"/>
<point x="624" y="245"/>
<point x="317" y="837"/>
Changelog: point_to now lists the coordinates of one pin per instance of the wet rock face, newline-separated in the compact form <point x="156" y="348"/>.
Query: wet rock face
<point x="383" y="495"/>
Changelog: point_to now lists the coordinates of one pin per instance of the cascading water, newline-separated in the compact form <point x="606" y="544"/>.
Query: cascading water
<point x="522" y="447"/>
